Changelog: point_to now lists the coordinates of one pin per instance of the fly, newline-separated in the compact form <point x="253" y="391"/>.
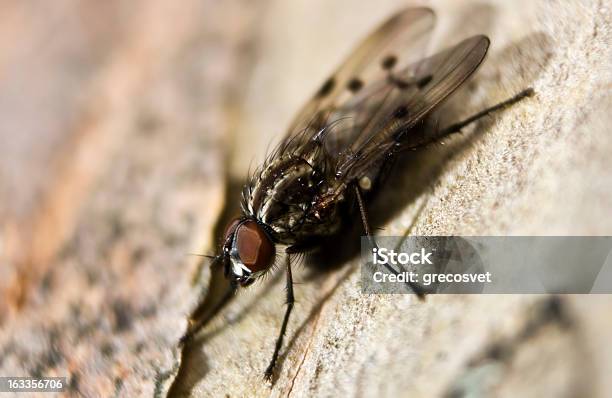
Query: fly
<point x="373" y="108"/>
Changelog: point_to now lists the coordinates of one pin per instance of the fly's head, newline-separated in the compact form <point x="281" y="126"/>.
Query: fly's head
<point x="248" y="251"/>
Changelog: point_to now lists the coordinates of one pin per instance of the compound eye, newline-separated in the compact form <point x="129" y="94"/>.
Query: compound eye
<point x="254" y="246"/>
<point x="231" y="228"/>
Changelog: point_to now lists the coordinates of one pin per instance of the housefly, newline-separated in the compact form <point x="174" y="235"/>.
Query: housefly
<point x="373" y="108"/>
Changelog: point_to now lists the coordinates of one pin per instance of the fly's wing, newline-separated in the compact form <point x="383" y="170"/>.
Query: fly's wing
<point x="391" y="109"/>
<point x="405" y="34"/>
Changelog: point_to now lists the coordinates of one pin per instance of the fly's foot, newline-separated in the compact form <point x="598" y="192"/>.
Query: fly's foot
<point x="268" y="374"/>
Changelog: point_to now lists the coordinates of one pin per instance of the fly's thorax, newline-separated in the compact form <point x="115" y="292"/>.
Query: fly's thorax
<point x="282" y="194"/>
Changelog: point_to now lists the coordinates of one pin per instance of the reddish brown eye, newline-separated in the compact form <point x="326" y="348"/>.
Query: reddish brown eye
<point x="230" y="228"/>
<point x="254" y="246"/>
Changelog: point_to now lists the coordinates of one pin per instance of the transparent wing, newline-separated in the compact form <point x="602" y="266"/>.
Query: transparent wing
<point x="385" y="113"/>
<point x="380" y="94"/>
<point x="399" y="41"/>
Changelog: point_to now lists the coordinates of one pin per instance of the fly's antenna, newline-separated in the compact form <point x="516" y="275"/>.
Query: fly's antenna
<point x="204" y="255"/>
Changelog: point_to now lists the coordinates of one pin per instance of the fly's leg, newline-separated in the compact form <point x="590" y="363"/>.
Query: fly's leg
<point x="194" y="327"/>
<point x="456" y="127"/>
<point x="290" y="301"/>
<point x="420" y="292"/>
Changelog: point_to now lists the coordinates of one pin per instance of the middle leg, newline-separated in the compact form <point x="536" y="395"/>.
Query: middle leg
<point x="420" y="292"/>
<point x="279" y="341"/>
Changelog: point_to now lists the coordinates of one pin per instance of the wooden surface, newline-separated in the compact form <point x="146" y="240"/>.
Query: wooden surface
<point x="126" y="128"/>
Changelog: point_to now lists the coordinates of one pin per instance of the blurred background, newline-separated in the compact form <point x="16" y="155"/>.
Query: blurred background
<point x="126" y="129"/>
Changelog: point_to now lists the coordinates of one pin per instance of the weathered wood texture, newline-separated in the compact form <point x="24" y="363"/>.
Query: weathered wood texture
<point x="123" y="127"/>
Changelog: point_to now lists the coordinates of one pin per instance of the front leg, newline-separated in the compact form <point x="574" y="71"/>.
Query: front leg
<point x="290" y="301"/>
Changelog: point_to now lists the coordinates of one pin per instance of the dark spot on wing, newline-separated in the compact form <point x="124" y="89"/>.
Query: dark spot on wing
<point x="400" y="112"/>
<point x="424" y="81"/>
<point x="326" y="88"/>
<point x="354" y="85"/>
<point x="389" y="62"/>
